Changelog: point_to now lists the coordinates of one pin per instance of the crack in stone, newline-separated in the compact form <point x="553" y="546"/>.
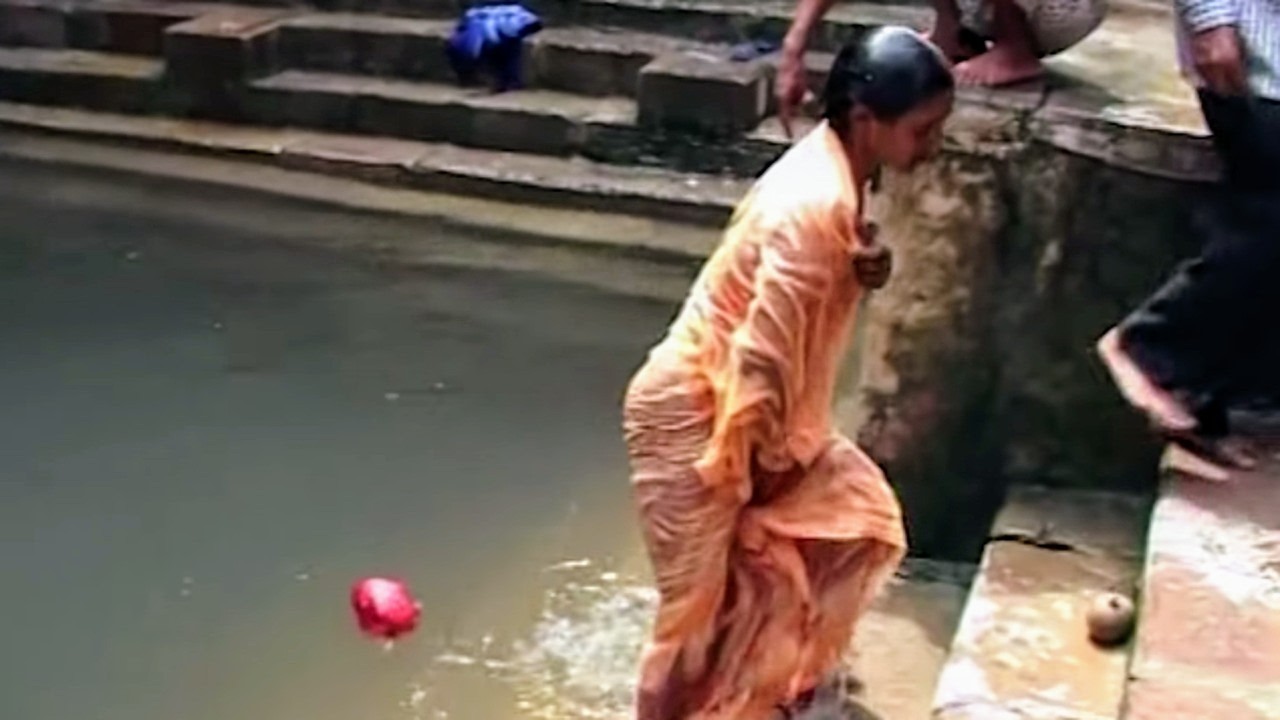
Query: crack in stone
<point x="1040" y="539"/>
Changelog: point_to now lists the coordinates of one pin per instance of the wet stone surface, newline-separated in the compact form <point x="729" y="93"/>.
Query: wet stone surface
<point x="1209" y="638"/>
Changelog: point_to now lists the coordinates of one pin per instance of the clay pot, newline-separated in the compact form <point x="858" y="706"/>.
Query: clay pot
<point x="1110" y="619"/>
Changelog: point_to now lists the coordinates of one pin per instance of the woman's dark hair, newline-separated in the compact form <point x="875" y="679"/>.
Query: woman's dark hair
<point x="888" y="71"/>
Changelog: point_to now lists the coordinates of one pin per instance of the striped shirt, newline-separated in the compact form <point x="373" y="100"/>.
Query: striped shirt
<point x="1258" y="22"/>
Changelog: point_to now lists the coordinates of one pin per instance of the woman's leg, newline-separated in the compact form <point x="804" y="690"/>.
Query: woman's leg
<point x="688" y="530"/>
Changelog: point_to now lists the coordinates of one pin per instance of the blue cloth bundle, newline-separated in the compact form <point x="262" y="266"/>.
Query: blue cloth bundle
<point x="491" y="36"/>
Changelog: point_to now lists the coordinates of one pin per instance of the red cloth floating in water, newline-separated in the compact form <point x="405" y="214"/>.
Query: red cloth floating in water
<point x="384" y="608"/>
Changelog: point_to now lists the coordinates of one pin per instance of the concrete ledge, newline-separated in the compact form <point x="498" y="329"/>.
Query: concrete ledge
<point x="1079" y="121"/>
<point x="1208" y="643"/>
<point x="1022" y="649"/>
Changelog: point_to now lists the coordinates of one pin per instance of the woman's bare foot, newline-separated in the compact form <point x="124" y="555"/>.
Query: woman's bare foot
<point x="1165" y="412"/>
<point x="1003" y="64"/>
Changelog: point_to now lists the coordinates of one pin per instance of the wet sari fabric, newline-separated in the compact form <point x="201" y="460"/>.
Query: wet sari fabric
<point x="769" y="533"/>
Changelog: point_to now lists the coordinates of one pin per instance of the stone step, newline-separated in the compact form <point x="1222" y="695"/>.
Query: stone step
<point x="132" y="27"/>
<point x="587" y="61"/>
<point x="1208" y="643"/>
<point x="536" y="121"/>
<point x="94" y="80"/>
<point x="1022" y="648"/>
<point x="734" y="21"/>
<point x="557" y="182"/>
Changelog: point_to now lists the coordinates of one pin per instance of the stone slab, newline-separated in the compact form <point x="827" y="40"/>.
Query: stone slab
<point x="521" y="121"/>
<point x="1208" y="643"/>
<point x="32" y="23"/>
<point x="135" y="27"/>
<point x="703" y="93"/>
<point x="1022" y="650"/>
<point x="596" y="61"/>
<point x="368" y="44"/>
<point x="732" y="21"/>
<point x="222" y="49"/>
<point x="86" y="79"/>
<point x="1081" y="120"/>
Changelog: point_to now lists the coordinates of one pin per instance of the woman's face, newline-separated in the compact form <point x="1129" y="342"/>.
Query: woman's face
<point x="904" y="143"/>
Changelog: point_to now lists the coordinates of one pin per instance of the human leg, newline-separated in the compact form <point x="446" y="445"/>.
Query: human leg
<point x="948" y="30"/>
<point x="1023" y="32"/>
<point x="688" y="530"/>
<point x="1013" y="57"/>
<point x="1199" y="333"/>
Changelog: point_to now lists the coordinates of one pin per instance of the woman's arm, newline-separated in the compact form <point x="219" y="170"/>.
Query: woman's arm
<point x="764" y="375"/>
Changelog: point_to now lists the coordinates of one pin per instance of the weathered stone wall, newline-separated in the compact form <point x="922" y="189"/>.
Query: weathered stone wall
<point x="974" y="367"/>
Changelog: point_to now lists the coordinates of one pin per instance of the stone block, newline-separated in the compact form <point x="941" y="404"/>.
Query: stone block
<point x="279" y="100"/>
<point x="588" y="62"/>
<point x="365" y="44"/>
<point x="134" y="27"/>
<point x="102" y="82"/>
<point x="703" y="93"/>
<point x="1163" y="140"/>
<point x="522" y="130"/>
<point x="440" y="121"/>
<point x="216" y="52"/>
<point x="374" y="159"/>
<point x="32" y="24"/>
<point x="1022" y="649"/>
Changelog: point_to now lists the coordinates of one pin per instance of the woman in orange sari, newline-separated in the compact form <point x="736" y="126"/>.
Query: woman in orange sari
<point x="769" y="533"/>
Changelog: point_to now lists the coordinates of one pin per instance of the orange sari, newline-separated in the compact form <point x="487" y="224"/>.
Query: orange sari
<point x="769" y="533"/>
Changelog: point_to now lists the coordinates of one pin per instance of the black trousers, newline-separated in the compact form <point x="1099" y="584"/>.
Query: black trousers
<point x="1212" y="332"/>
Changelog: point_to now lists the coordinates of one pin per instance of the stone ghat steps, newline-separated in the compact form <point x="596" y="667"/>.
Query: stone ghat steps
<point x="533" y="121"/>
<point x="678" y="82"/>
<point x="699" y="200"/>
<point x="724" y="21"/>
<point x="583" y="60"/>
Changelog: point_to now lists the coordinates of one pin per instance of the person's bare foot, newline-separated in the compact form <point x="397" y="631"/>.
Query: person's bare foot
<point x="1003" y="64"/>
<point x="1181" y="460"/>
<point x="1165" y="412"/>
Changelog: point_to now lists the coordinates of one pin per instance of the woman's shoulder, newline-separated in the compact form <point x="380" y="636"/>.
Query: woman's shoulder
<point x="805" y="202"/>
<point x="806" y="182"/>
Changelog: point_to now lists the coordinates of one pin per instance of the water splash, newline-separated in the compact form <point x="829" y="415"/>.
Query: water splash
<point x="580" y="662"/>
<point x="577" y="662"/>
